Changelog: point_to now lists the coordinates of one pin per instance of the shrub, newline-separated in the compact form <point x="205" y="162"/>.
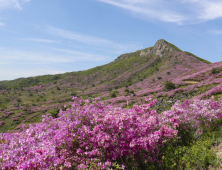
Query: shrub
<point x="54" y="113"/>
<point x="159" y="78"/>
<point x="19" y="100"/>
<point x="169" y="85"/>
<point x="132" y="92"/>
<point x="214" y="71"/>
<point x="126" y="90"/>
<point x="58" y="88"/>
<point x="113" y="94"/>
<point x="94" y="136"/>
<point x="73" y="94"/>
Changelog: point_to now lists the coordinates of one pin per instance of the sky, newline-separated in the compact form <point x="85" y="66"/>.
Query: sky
<point x="39" y="37"/>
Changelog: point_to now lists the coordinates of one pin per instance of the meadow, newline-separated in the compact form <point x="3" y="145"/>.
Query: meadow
<point x="141" y="111"/>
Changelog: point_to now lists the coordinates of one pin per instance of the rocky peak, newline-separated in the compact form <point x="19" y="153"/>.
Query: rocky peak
<point x="160" y="48"/>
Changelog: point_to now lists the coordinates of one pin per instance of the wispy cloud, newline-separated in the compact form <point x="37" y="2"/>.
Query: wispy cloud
<point x="12" y="3"/>
<point x="216" y="32"/>
<point x="81" y="55"/>
<point x="176" y="11"/>
<point x="93" y="41"/>
<point x="2" y="24"/>
<point x="40" y="40"/>
<point x="55" y="56"/>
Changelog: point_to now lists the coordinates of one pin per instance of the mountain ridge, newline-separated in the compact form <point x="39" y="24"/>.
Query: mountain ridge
<point x="124" y="82"/>
<point x="160" y="49"/>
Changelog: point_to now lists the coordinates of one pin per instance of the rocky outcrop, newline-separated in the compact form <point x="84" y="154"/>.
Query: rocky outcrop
<point x="160" y="48"/>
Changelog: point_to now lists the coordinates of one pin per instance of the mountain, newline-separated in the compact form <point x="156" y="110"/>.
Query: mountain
<point x="124" y="82"/>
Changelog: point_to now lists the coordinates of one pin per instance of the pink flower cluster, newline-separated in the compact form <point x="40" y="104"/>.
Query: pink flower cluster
<point x="215" y="90"/>
<point x="91" y="135"/>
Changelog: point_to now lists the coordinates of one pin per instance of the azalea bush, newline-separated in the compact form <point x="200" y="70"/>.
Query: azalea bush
<point x="90" y="135"/>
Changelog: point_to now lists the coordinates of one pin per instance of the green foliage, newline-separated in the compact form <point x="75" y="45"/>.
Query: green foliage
<point x="173" y="46"/>
<point x="132" y="92"/>
<point x="73" y="94"/>
<point x="126" y="90"/>
<point x="197" y="155"/>
<point x="113" y="94"/>
<point x="214" y="71"/>
<point x="110" y="89"/>
<point x="169" y="85"/>
<point x="201" y="59"/>
<point x="168" y="73"/>
<point x="54" y="113"/>
<point x="19" y="100"/>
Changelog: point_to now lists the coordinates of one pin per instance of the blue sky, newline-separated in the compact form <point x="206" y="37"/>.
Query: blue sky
<point x="39" y="37"/>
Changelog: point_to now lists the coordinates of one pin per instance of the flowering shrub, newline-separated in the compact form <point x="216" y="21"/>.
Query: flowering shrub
<point x="2" y="123"/>
<point x="91" y="135"/>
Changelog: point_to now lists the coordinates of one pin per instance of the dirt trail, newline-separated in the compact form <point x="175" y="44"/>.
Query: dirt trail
<point x="191" y="82"/>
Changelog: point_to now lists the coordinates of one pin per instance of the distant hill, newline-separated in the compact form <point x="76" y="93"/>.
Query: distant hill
<point x="150" y="58"/>
<point x="164" y="71"/>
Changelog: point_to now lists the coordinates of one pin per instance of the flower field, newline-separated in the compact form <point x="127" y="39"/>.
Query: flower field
<point x="91" y="135"/>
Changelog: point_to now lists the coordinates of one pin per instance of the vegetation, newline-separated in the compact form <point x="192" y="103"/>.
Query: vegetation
<point x="169" y="142"/>
<point x="214" y="71"/>
<point x="173" y="46"/>
<point x="169" y="85"/>
<point x="113" y="94"/>
<point x="201" y="59"/>
<point x="26" y="100"/>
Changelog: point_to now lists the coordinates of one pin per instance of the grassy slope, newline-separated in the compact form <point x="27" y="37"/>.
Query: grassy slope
<point x="127" y="70"/>
<point x="112" y="70"/>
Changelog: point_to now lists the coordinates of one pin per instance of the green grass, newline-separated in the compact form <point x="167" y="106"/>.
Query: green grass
<point x="201" y="59"/>
<point x="173" y="46"/>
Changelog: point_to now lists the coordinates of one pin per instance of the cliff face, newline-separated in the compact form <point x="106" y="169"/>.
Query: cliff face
<point x="160" y="48"/>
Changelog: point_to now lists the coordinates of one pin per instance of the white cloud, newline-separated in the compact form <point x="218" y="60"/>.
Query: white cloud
<point x="12" y="3"/>
<point x="215" y="32"/>
<point x="176" y="11"/>
<point x="102" y="44"/>
<point x="81" y="55"/>
<point x="2" y="24"/>
<point x="41" y="40"/>
<point x="56" y="56"/>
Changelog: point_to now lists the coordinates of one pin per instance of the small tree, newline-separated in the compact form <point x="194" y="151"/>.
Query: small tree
<point x="126" y="90"/>
<point x="19" y="100"/>
<point x="169" y="85"/>
<point x="73" y="94"/>
<point x="214" y="71"/>
<point x="113" y="94"/>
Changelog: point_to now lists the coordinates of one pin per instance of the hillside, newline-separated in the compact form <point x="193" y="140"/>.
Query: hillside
<point x="123" y="82"/>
